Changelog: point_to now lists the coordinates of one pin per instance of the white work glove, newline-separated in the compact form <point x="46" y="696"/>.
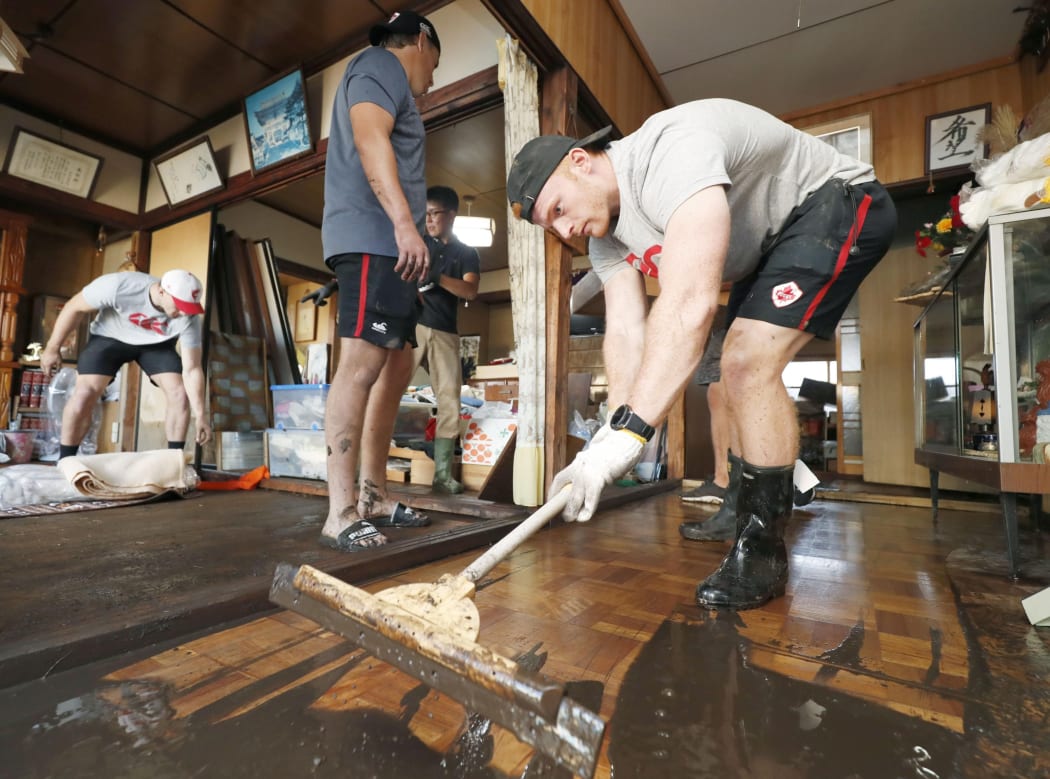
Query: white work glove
<point x="610" y="455"/>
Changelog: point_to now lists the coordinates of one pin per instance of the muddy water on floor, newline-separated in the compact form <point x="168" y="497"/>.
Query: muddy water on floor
<point x="693" y="706"/>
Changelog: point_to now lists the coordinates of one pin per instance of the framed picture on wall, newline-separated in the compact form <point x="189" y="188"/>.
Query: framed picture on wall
<point x="189" y="172"/>
<point x="277" y="122"/>
<point x="951" y="138"/>
<point x="52" y="164"/>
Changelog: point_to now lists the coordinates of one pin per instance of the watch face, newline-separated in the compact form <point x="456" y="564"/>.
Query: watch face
<point x="619" y="416"/>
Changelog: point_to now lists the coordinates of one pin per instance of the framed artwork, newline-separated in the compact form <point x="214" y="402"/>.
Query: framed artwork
<point x="188" y="172"/>
<point x="277" y="122"/>
<point x="51" y="164"/>
<point x="305" y="321"/>
<point x="850" y="136"/>
<point x="951" y="138"/>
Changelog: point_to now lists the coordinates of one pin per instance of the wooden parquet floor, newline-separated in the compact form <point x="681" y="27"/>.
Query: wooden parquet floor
<point x="901" y="649"/>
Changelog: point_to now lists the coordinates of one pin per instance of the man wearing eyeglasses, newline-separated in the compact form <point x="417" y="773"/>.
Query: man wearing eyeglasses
<point x="454" y="275"/>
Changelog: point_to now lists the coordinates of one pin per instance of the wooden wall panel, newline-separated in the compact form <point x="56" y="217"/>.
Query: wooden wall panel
<point x="590" y="35"/>
<point x="898" y="114"/>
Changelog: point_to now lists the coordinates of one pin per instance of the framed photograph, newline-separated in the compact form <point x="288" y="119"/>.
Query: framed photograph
<point x="189" y="171"/>
<point x="277" y="123"/>
<point x="51" y="164"/>
<point x="305" y="322"/>
<point x="850" y="136"/>
<point x="951" y="138"/>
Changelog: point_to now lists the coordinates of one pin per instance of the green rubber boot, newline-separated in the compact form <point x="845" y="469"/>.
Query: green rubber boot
<point x="444" y="449"/>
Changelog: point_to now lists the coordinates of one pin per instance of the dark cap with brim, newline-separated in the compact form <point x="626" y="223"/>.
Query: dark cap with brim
<point x="535" y="163"/>
<point x="404" y="23"/>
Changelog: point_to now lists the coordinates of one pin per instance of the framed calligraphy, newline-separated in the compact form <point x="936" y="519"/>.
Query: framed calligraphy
<point x="951" y="138"/>
<point x="51" y="164"/>
<point x="189" y="171"/>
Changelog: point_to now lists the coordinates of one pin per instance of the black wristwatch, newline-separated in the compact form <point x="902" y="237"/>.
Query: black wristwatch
<point x="624" y="418"/>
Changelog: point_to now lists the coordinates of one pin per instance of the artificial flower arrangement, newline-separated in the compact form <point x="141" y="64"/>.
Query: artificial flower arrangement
<point x="945" y="234"/>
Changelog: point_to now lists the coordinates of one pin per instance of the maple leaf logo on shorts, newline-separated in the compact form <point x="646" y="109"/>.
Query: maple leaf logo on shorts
<point x="786" y="294"/>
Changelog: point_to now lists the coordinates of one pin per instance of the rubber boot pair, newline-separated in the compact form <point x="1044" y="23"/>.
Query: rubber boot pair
<point x="756" y="568"/>
<point x="444" y="449"/>
<point x="722" y="526"/>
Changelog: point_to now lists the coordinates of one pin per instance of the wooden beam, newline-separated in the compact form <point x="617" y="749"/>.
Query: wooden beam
<point x="27" y="193"/>
<point x="558" y="98"/>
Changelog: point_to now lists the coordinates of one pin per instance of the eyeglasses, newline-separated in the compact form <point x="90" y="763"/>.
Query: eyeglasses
<point x="436" y="213"/>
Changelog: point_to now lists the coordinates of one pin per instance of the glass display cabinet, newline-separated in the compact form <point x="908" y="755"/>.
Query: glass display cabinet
<point x="982" y="368"/>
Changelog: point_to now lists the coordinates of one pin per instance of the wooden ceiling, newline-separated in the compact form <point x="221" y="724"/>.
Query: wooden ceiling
<point x="142" y="75"/>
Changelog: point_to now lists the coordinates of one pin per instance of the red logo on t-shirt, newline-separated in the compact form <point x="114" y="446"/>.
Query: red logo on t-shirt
<point x="786" y="294"/>
<point x="647" y="262"/>
<point x="149" y="323"/>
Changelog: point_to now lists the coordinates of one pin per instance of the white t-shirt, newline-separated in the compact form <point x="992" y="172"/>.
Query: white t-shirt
<point x="126" y="314"/>
<point x="767" y="167"/>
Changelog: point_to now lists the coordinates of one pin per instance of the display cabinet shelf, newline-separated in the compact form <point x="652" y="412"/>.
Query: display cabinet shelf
<point x="982" y="368"/>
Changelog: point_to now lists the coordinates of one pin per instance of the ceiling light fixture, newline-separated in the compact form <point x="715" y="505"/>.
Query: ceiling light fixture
<point x="474" y="231"/>
<point x="12" y="52"/>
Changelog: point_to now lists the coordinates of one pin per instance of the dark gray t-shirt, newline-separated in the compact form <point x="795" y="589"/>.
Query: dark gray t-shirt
<point x="354" y="220"/>
<point x="441" y="307"/>
<point x="767" y="167"/>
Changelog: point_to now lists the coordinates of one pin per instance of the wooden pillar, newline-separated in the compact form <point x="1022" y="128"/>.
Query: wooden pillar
<point x="14" y="231"/>
<point x="525" y="255"/>
<point x="558" y="100"/>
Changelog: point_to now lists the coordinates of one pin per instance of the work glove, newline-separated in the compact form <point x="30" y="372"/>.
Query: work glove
<point x="320" y="296"/>
<point x="610" y="454"/>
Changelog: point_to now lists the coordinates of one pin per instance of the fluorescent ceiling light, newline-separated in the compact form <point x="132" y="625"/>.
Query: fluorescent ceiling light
<point x="474" y="230"/>
<point x="12" y="52"/>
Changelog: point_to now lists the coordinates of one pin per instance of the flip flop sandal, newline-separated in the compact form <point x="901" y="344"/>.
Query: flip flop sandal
<point x="350" y="540"/>
<point x="401" y="516"/>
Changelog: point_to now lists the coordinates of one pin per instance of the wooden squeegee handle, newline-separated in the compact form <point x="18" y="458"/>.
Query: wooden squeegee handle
<point x="514" y="538"/>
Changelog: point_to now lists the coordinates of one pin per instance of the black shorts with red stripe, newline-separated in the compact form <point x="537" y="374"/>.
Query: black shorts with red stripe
<point x="812" y="268"/>
<point x="375" y="303"/>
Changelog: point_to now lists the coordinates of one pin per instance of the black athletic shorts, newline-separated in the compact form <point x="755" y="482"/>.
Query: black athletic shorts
<point x="375" y="303"/>
<point x="105" y="356"/>
<point x="811" y="269"/>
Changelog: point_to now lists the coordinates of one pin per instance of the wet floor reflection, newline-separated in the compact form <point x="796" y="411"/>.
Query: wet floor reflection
<point x="692" y="705"/>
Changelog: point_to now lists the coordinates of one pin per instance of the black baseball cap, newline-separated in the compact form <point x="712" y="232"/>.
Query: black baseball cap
<point x="535" y="163"/>
<point x="403" y="23"/>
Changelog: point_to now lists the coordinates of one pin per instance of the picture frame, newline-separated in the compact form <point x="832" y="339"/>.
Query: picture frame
<point x="952" y="144"/>
<point x="277" y="121"/>
<point x="850" y="135"/>
<point x="52" y="164"/>
<point x="189" y="171"/>
<point x="305" y="322"/>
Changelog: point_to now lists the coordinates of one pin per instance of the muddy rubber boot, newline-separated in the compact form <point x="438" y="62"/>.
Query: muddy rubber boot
<point x="722" y="526"/>
<point x="444" y="448"/>
<point x="756" y="568"/>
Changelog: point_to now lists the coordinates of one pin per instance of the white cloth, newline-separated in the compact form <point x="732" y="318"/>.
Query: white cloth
<point x="119" y="475"/>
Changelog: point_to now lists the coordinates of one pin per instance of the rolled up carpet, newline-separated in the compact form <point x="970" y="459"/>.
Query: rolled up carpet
<point x="118" y="475"/>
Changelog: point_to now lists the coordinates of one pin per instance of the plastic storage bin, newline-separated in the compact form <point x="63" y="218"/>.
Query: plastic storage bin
<point x="411" y="422"/>
<point x="299" y="406"/>
<point x="297" y="453"/>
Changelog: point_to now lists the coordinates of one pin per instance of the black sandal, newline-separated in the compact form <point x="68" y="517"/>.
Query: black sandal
<point x="401" y="516"/>
<point x="350" y="539"/>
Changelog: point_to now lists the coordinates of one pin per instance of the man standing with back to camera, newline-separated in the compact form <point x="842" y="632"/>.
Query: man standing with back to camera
<point x="372" y="231"/>
<point x="454" y="275"/>
<point x="709" y="191"/>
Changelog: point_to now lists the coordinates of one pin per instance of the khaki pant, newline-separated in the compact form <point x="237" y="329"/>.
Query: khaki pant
<point x="441" y="351"/>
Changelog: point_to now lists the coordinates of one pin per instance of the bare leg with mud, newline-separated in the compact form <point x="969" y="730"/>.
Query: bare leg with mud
<point x="380" y="417"/>
<point x="360" y="366"/>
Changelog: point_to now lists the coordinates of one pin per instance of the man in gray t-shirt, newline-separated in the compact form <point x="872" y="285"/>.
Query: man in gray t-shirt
<point x="372" y="231"/>
<point x="706" y="192"/>
<point x="137" y="318"/>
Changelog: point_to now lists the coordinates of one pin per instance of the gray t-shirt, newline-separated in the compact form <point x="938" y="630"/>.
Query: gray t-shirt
<point x="767" y="167"/>
<point x="126" y="314"/>
<point x="354" y="220"/>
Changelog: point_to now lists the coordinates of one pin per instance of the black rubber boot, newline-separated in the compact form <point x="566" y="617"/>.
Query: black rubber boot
<point x="722" y="526"/>
<point x="756" y="568"/>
